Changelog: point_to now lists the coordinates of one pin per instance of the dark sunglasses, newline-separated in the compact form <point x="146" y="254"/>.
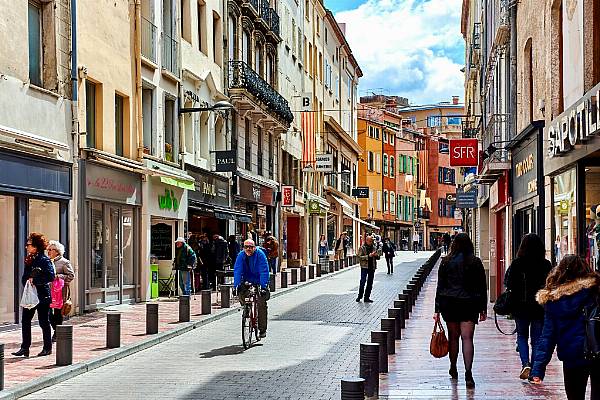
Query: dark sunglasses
<point x="248" y="247"/>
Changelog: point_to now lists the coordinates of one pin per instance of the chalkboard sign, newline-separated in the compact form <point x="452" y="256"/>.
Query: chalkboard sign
<point x="161" y="241"/>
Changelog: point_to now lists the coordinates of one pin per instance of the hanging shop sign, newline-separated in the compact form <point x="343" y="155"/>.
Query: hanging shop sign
<point x="288" y="196"/>
<point x="360" y="192"/>
<point x="466" y="199"/>
<point x="451" y="198"/>
<point x="226" y="160"/>
<point x="324" y="163"/>
<point x="255" y="192"/>
<point x="314" y="207"/>
<point x="464" y="152"/>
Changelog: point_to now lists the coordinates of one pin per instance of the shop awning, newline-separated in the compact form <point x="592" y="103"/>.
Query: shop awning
<point x="184" y="184"/>
<point x="169" y="175"/>
<point x="346" y="208"/>
<point x="230" y="214"/>
<point x="365" y="223"/>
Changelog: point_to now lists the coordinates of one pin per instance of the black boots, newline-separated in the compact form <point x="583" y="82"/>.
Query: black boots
<point x="21" y="352"/>
<point x="469" y="379"/>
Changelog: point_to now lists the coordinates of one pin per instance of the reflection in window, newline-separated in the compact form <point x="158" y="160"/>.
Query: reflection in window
<point x="44" y="218"/>
<point x="592" y="212"/>
<point x="7" y="257"/>
<point x="565" y="214"/>
<point x="97" y="227"/>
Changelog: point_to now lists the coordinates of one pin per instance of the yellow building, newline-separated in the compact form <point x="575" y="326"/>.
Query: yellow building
<point x="370" y="135"/>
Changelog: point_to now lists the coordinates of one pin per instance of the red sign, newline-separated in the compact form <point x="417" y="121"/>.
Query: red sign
<point x="464" y="152"/>
<point x="287" y="196"/>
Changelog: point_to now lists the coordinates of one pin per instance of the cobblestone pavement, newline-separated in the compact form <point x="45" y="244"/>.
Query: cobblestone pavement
<point x="313" y="341"/>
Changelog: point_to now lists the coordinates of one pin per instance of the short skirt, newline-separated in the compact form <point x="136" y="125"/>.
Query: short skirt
<point x="454" y="309"/>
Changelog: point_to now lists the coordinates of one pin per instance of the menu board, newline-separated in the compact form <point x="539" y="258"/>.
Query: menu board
<point x="161" y="241"/>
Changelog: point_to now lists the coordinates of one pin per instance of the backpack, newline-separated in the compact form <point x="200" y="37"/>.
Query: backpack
<point x="591" y="345"/>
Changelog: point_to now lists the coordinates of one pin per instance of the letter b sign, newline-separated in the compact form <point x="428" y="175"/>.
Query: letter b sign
<point x="464" y="152"/>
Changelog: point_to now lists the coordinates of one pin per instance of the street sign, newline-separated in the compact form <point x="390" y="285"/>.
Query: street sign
<point x="226" y="160"/>
<point x="464" y="152"/>
<point x="288" y="196"/>
<point x="324" y="163"/>
<point x="466" y="199"/>
<point x="451" y="198"/>
<point x="361" y="192"/>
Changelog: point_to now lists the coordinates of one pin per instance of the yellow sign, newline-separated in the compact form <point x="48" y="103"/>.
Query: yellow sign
<point x="525" y="166"/>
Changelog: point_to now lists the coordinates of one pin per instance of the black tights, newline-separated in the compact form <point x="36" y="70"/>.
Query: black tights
<point x="464" y="331"/>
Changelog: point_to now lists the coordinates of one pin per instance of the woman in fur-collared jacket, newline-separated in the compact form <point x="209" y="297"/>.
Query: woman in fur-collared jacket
<point x="570" y="287"/>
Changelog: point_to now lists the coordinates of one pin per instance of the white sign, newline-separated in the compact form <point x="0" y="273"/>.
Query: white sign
<point x="306" y="102"/>
<point x="324" y="163"/>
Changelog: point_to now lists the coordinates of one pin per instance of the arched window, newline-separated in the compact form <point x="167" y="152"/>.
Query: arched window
<point x="258" y="59"/>
<point x="246" y="47"/>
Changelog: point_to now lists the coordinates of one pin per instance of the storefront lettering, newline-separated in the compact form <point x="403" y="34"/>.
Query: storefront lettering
<point x="109" y="184"/>
<point x="577" y="124"/>
<point x="532" y="186"/>
<point x="168" y="201"/>
<point x="209" y="189"/>
<point x="256" y="192"/>
<point x="525" y="165"/>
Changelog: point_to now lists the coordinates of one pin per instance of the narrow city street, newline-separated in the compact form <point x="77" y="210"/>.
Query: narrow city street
<point x="313" y="342"/>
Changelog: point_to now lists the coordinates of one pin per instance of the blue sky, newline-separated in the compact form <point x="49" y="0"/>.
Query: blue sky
<point x="410" y="48"/>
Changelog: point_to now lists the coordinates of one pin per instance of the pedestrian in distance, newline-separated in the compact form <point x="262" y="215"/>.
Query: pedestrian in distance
<point x="570" y="288"/>
<point x="233" y="249"/>
<point x="63" y="270"/>
<point x="341" y="246"/>
<point x="184" y="262"/>
<point x="323" y="246"/>
<point x="461" y="298"/>
<point x="368" y="254"/>
<point x="271" y="248"/>
<point x="204" y="259"/>
<point x="219" y="250"/>
<point x="39" y="272"/>
<point x="415" y="239"/>
<point x="251" y="266"/>
<point x="446" y="239"/>
<point x="524" y="278"/>
<point x="389" y="250"/>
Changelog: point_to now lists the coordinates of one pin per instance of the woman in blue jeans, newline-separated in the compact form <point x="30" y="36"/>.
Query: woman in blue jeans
<point x="525" y="276"/>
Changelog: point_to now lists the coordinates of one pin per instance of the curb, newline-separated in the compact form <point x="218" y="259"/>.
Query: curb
<point x="74" y="370"/>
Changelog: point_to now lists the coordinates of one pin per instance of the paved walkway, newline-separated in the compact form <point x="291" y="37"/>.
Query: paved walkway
<point x="313" y="341"/>
<point x="415" y="374"/>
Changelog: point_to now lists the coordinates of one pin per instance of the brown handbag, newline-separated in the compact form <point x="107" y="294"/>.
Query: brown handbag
<point x="67" y="304"/>
<point x="439" y="343"/>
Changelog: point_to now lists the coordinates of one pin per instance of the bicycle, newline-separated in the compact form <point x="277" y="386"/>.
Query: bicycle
<point x="250" y="316"/>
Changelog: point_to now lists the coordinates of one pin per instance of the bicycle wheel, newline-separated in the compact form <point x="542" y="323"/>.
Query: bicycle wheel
<point x="246" y="327"/>
<point x="255" y="323"/>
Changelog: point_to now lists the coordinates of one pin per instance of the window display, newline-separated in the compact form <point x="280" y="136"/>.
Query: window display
<point x="565" y="214"/>
<point x="7" y="257"/>
<point x="592" y="215"/>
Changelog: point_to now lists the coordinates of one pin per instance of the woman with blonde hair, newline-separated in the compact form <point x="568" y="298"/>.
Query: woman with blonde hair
<point x="64" y="270"/>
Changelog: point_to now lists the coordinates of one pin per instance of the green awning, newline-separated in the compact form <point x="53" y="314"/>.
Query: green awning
<point x="184" y="184"/>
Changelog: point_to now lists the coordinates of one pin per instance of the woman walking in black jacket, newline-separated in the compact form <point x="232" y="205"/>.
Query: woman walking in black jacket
<point x="39" y="271"/>
<point x="461" y="298"/>
<point x="525" y="276"/>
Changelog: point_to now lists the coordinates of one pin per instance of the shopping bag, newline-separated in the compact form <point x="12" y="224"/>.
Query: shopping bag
<point x="30" y="297"/>
<point x="56" y="288"/>
<point x="439" y="343"/>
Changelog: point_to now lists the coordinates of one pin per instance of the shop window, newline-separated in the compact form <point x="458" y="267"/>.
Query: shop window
<point x="592" y="213"/>
<point x="565" y="214"/>
<point x="128" y="246"/>
<point x="44" y="218"/>
<point x="7" y="258"/>
<point x="97" y="232"/>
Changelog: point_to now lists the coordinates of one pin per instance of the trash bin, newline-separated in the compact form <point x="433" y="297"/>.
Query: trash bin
<point x="153" y="281"/>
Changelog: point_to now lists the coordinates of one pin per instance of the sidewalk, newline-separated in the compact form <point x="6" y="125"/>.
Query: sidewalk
<point x="415" y="374"/>
<point x="89" y="337"/>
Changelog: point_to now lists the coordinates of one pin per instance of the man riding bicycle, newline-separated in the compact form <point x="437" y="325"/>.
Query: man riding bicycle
<point x="251" y="266"/>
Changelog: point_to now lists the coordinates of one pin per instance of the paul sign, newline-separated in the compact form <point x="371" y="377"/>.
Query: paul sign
<point x="464" y="152"/>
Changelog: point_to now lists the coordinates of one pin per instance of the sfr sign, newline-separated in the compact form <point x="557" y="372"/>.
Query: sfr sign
<point x="464" y="152"/>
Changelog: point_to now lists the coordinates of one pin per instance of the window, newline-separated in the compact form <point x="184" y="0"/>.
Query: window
<point x="35" y="43"/>
<point x="148" y="121"/>
<point x="399" y="207"/>
<point x="377" y="133"/>
<point x="271" y="156"/>
<point x="258" y="59"/>
<point x="385" y="136"/>
<point x="392" y="138"/>
<point x="171" y="133"/>
<point x="186" y="21"/>
<point x="326" y="34"/>
<point x="307" y="9"/>
<point x="392" y="163"/>
<point x="433" y="121"/>
<point x="370" y="201"/>
<point x="320" y="66"/>
<point x="385" y="201"/>
<point x="201" y="27"/>
<point x="119" y="124"/>
<point x="345" y="177"/>
<point x="385" y="164"/>
<point x="379" y="200"/>
<point x="370" y="161"/>
<point x="259" y="151"/>
<point x="446" y="176"/>
<point x="270" y="76"/>
<point x="247" y="145"/>
<point x="392" y="203"/>
<point x="378" y="162"/>
<point x="217" y="39"/>
<point x="232" y="41"/>
<point x="90" y="113"/>
<point x="246" y="47"/>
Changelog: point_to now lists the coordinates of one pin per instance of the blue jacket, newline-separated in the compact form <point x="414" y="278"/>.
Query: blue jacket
<point x="42" y="272"/>
<point x="253" y="269"/>
<point x="564" y="323"/>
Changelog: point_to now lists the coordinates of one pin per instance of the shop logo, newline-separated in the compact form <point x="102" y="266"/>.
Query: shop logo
<point x="525" y="165"/>
<point x="209" y="189"/>
<point x="168" y="201"/>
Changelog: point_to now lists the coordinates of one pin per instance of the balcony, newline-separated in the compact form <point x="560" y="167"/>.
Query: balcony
<point x="274" y="22"/>
<point x="252" y="6"/>
<point x="148" y="40"/>
<point x="423" y="213"/>
<point x="496" y="156"/>
<point x="241" y="76"/>
<point x="170" y="54"/>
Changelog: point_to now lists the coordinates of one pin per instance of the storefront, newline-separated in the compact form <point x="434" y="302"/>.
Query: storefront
<point x="293" y="233"/>
<point x="572" y="161"/>
<point x="109" y="250"/>
<point x="34" y="197"/>
<point x="498" y="234"/>
<point x="527" y="177"/>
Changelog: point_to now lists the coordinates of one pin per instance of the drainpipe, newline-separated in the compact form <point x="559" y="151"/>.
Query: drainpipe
<point x="512" y="91"/>
<point x="137" y="46"/>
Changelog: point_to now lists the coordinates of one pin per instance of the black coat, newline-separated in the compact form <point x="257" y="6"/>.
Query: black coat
<point x="42" y="272"/>
<point x="389" y="250"/>
<point x="462" y="277"/>
<point x="524" y="278"/>
<point x="219" y="251"/>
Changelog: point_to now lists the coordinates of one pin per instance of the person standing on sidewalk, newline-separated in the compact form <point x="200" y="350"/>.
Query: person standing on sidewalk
<point x="446" y="240"/>
<point x="416" y="242"/>
<point x="570" y="287"/>
<point x="525" y="276"/>
<point x="368" y="254"/>
<point x="323" y="247"/>
<point x="461" y="298"/>
<point x="389" y="250"/>
<point x="64" y="270"/>
<point x="38" y="271"/>
<point x="184" y="262"/>
<point x="219" y="251"/>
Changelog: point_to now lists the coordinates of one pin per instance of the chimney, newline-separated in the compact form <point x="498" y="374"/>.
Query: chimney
<point x="455" y="100"/>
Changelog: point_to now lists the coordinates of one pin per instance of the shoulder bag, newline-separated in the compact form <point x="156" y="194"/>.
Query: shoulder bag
<point x="438" y="347"/>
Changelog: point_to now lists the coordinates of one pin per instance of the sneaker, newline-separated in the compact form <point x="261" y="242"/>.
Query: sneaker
<point x="525" y="372"/>
<point x="368" y="301"/>
<point x="262" y="335"/>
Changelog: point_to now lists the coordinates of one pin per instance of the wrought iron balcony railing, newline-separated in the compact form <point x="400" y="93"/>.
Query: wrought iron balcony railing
<point x="265" y="11"/>
<point x="496" y="134"/>
<point x="148" y="40"/>
<point x="170" y="54"/>
<point x="241" y="76"/>
<point x="254" y="4"/>
<point x="274" y="21"/>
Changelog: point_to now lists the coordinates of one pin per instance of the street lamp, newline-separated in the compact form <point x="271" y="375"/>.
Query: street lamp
<point x="222" y="105"/>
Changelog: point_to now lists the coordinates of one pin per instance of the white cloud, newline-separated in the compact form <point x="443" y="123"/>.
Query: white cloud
<point x="407" y="47"/>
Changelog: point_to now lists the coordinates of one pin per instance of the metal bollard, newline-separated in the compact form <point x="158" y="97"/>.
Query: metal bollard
<point x="399" y="304"/>
<point x="336" y="265"/>
<point x="407" y="303"/>
<point x="311" y="271"/>
<point x="303" y="273"/>
<point x="369" y="368"/>
<point x="413" y="292"/>
<point x="294" y="276"/>
<point x="2" y="367"/>
<point x="353" y="389"/>
<point x="113" y="330"/>
<point x="381" y="338"/>
<point x="284" y="279"/>
<point x="206" y="297"/>
<point x="389" y="324"/>
<point x="64" y="345"/>
<point x="331" y="265"/>
<point x="184" y="308"/>
<point x="272" y="283"/>
<point x="409" y="300"/>
<point x="151" y="318"/>
<point x="225" y="296"/>
<point x="319" y="271"/>
<point x="397" y="315"/>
